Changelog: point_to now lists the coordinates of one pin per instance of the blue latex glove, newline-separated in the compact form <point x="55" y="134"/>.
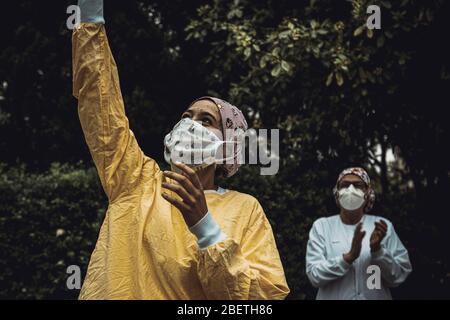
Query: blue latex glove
<point x="91" y="11"/>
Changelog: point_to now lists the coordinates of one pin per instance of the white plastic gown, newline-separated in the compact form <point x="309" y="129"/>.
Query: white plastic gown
<point x="327" y="270"/>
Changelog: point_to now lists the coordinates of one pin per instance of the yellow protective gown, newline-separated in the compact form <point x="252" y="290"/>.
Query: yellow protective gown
<point x="145" y="249"/>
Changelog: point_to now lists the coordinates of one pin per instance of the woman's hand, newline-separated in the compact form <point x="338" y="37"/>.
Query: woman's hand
<point x="188" y="186"/>
<point x="378" y="235"/>
<point x="355" y="250"/>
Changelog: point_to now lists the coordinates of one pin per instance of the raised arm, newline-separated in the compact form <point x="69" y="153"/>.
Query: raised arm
<point x="113" y="146"/>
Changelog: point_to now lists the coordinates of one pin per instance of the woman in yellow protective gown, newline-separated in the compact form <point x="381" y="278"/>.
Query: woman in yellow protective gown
<point x="173" y="234"/>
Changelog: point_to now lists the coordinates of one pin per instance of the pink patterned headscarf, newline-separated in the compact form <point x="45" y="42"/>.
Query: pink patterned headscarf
<point x="360" y="172"/>
<point x="232" y="120"/>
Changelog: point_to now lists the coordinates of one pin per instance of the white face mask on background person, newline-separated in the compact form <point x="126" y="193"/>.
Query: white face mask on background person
<point x="351" y="198"/>
<point x="192" y="144"/>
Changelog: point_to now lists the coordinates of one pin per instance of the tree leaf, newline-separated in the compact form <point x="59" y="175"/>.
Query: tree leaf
<point x="329" y="79"/>
<point x="285" y="66"/>
<point x="359" y="30"/>
<point x="276" y="70"/>
<point x="339" y="79"/>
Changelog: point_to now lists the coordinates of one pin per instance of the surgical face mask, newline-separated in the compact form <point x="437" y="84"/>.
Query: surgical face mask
<point x="192" y="144"/>
<point x="351" y="198"/>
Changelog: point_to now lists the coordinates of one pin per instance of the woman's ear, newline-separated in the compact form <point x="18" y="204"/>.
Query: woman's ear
<point x="220" y="171"/>
<point x="366" y="198"/>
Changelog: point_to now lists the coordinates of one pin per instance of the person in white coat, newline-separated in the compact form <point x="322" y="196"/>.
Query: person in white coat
<point x="344" y="263"/>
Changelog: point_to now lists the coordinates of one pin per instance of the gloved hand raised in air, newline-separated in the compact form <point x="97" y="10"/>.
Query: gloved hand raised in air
<point x="91" y="11"/>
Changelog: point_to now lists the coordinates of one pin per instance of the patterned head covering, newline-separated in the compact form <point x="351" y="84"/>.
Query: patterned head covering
<point x="233" y="125"/>
<point x="360" y="172"/>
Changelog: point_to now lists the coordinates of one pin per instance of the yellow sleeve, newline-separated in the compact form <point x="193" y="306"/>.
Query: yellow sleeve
<point x="251" y="270"/>
<point x="113" y="146"/>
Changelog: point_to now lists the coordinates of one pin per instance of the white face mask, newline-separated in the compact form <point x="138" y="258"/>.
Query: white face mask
<point x="351" y="198"/>
<point x="192" y="144"/>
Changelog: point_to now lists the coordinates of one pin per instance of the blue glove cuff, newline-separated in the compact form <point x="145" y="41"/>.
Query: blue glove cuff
<point x="91" y="11"/>
<point x="207" y="231"/>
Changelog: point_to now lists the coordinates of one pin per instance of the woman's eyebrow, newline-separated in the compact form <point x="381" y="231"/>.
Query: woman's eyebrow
<point x="352" y="182"/>
<point x="206" y="113"/>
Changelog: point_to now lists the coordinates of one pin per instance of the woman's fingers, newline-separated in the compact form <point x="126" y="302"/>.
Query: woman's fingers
<point x="381" y="227"/>
<point x="182" y="180"/>
<point x="359" y="235"/>
<point x="358" y="242"/>
<point x="178" y="204"/>
<point x="178" y="189"/>
<point x="359" y="232"/>
<point x="384" y="225"/>
<point x="363" y="234"/>
<point x="376" y="234"/>
<point x="193" y="206"/>
<point x="190" y="173"/>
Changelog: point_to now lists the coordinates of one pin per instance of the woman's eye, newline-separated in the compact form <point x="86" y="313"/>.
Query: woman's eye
<point x="206" y="121"/>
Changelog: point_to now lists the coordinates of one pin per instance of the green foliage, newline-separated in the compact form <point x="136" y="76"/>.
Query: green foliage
<point x="47" y="222"/>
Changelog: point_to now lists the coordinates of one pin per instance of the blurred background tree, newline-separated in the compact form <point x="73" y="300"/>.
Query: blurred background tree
<point x="340" y="94"/>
